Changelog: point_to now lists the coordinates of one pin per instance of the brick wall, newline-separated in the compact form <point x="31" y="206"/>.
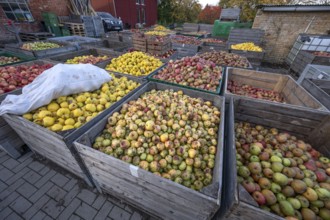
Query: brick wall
<point x="283" y="28"/>
<point x="59" y="7"/>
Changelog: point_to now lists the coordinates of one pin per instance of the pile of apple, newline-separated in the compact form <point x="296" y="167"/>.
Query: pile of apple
<point x="165" y="55"/>
<point x="192" y="71"/>
<point x="87" y="59"/>
<point x="14" y="77"/>
<point x="223" y="58"/>
<point x="212" y="40"/>
<point x="284" y="175"/>
<point x="181" y="39"/>
<point x="254" y="92"/>
<point x="39" y="46"/>
<point x="321" y="53"/>
<point x="6" y="60"/>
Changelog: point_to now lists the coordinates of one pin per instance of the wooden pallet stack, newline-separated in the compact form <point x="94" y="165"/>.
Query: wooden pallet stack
<point x="139" y="42"/>
<point x="35" y="36"/>
<point x="76" y="28"/>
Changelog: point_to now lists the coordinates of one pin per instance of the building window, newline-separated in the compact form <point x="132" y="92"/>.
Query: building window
<point x="16" y="10"/>
<point x="138" y="15"/>
<point x="143" y="16"/>
<point x="142" y="2"/>
<point x="137" y="2"/>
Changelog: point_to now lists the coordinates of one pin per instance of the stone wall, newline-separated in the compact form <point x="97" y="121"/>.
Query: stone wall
<point x="283" y="28"/>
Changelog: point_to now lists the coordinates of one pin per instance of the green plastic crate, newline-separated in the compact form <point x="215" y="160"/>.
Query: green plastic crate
<point x="23" y="57"/>
<point x="222" y="28"/>
<point x="217" y="92"/>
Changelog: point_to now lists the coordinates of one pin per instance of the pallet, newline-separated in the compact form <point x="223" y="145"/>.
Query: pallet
<point x="35" y="36"/>
<point x="310" y="126"/>
<point x="294" y="94"/>
<point x="160" y="197"/>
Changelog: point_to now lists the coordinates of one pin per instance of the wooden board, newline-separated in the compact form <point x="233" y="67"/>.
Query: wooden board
<point x="237" y="203"/>
<point x="161" y="197"/>
<point x="295" y="96"/>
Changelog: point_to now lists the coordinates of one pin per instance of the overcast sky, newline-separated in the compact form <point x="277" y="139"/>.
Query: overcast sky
<point x="210" y="2"/>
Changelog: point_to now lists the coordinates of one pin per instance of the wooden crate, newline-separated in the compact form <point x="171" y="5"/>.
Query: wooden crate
<point x="153" y="194"/>
<point x="315" y="72"/>
<point x="304" y="58"/>
<point x="255" y="58"/>
<point x="35" y="36"/>
<point x="140" y="43"/>
<point x="242" y="35"/>
<point x="155" y="47"/>
<point x="320" y="89"/>
<point x="313" y="127"/>
<point x="76" y="40"/>
<point x="108" y="45"/>
<point x="190" y="27"/>
<point x="95" y="52"/>
<point x="294" y="94"/>
<point x="58" y="147"/>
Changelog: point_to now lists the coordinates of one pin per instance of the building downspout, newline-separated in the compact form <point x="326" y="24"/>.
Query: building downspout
<point x="114" y="6"/>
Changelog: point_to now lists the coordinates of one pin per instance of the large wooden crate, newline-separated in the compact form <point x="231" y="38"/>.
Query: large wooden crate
<point x="140" y="43"/>
<point x="58" y="147"/>
<point x="77" y="40"/>
<point x="65" y="47"/>
<point x="255" y="58"/>
<point x="9" y="139"/>
<point x="108" y="44"/>
<point x="294" y="94"/>
<point x="304" y="58"/>
<point x="312" y="127"/>
<point x="190" y="27"/>
<point x="153" y="194"/>
<point x="95" y="52"/>
<point x="320" y="89"/>
<point x="158" y="47"/>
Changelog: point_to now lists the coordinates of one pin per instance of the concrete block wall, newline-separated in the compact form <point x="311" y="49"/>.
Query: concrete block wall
<point x="283" y="28"/>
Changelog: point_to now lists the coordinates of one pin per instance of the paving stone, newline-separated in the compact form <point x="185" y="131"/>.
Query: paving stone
<point x="13" y="216"/>
<point x="1" y="167"/>
<point x="99" y="202"/>
<point x="38" y="216"/>
<point x="3" y="186"/>
<point x="9" y="193"/>
<point x="18" y="175"/>
<point x="71" y="195"/>
<point x="117" y="202"/>
<point x="5" y="174"/>
<point x="85" y="211"/>
<point x="26" y="156"/>
<point x="32" y="177"/>
<point x="45" y="178"/>
<point x="52" y="208"/>
<point x="47" y="218"/>
<point x="74" y="217"/>
<point x="4" y="158"/>
<point x="136" y="216"/>
<point x="59" y="180"/>
<point x="70" y="184"/>
<point x="44" y="171"/>
<point x="36" y="207"/>
<point x="87" y="196"/>
<point x="36" y="166"/>
<point x="67" y="212"/>
<point x="10" y="163"/>
<point x="5" y="212"/>
<point x="57" y="193"/>
<point x="20" y="205"/>
<point x="23" y="165"/>
<point x="9" y="199"/>
<point x="119" y="213"/>
<point x="129" y="209"/>
<point x="104" y="211"/>
<point x="45" y="188"/>
<point x="26" y="190"/>
<point x="2" y="153"/>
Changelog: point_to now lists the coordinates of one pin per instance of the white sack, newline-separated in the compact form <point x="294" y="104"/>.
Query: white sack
<point x="60" y="80"/>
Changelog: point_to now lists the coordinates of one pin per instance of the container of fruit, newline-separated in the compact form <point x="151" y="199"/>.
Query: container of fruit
<point x="253" y="52"/>
<point x="76" y="40"/>
<point x="9" y="58"/>
<point x="192" y="73"/>
<point x="109" y="44"/>
<point x="98" y="57"/>
<point x="278" y="163"/>
<point x="42" y="49"/>
<point x="268" y="89"/>
<point x="192" y="34"/>
<point x="225" y="59"/>
<point x="213" y="43"/>
<point x="155" y="168"/>
<point x="169" y="55"/>
<point x="51" y="129"/>
<point x="136" y="64"/>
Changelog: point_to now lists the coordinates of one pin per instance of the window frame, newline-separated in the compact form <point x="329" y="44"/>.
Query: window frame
<point x="26" y="13"/>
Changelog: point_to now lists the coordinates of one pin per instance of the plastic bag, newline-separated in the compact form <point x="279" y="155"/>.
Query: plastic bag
<point x="60" y="80"/>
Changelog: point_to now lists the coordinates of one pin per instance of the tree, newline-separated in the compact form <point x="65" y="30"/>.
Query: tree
<point x="209" y="14"/>
<point x="170" y="11"/>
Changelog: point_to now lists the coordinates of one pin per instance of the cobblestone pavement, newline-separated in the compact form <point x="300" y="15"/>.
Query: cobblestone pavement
<point x="33" y="188"/>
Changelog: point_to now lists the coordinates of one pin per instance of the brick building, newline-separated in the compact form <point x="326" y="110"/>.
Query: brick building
<point x="130" y="11"/>
<point x="283" y="24"/>
<point x="27" y="14"/>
